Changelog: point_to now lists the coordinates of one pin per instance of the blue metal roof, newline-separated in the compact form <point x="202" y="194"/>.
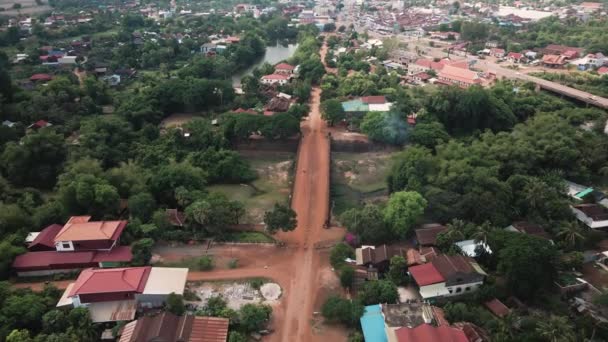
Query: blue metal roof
<point x="372" y="323"/>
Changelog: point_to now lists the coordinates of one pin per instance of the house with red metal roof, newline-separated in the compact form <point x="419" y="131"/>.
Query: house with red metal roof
<point x="115" y="294"/>
<point x="168" y="327"/>
<point x="429" y="333"/>
<point x="284" y="69"/>
<point x="515" y="57"/>
<point x="447" y="275"/>
<point x="78" y="244"/>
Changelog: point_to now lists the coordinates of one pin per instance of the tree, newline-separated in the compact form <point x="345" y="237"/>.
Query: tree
<point x="428" y="134"/>
<point x="397" y="271"/>
<point x="175" y="304"/>
<point x="571" y="234"/>
<point x="36" y="160"/>
<point x="332" y="111"/>
<point x="142" y="251"/>
<point x="528" y="263"/>
<point x="556" y="329"/>
<point x="8" y="252"/>
<point x="107" y="138"/>
<point x="89" y="194"/>
<point x="19" y="335"/>
<point x="339" y="253"/>
<point x="281" y="217"/>
<point x="340" y="310"/>
<point x="254" y="317"/>
<point x="235" y="336"/>
<point x="403" y="210"/>
<point x="386" y="127"/>
<point x="174" y="175"/>
<point x="347" y="276"/>
<point x="54" y="321"/>
<point x="379" y="291"/>
<point x="142" y="206"/>
<point x="368" y="224"/>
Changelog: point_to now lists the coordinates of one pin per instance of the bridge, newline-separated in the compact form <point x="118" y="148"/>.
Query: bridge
<point x="553" y="87"/>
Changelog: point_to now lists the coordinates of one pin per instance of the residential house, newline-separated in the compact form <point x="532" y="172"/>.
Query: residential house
<point x="168" y="327"/>
<point x="562" y="50"/>
<point x="590" y="61"/>
<point x="427" y="235"/>
<point x="39" y="124"/>
<point x="515" y="57"/>
<point x="429" y="333"/>
<point x="581" y="193"/>
<point x="275" y="79"/>
<point x="78" y="244"/>
<point x="554" y="61"/>
<point x="497" y="308"/>
<point x="284" y="69"/>
<point x="491" y="44"/>
<point x="278" y="104"/>
<point x="447" y="275"/>
<point x="497" y="52"/>
<point x="208" y="48"/>
<point x="603" y="70"/>
<point x="590" y="7"/>
<point x="421" y="77"/>
<point x="365" y="104"/>
<point x="472" y="248"/>
<point x="422" y="256"/>
<point x="377" y="257"/>
<point x="67" y="60"/>
<point x="463" y="78"/>
<point x="116" y="294"/>
<point x="41" y="78"/>
<point x="595" y="216"/>
<point x="529" y="228"/>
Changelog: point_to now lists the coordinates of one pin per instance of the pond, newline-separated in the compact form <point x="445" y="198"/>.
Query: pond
<point x="273" y="55"/>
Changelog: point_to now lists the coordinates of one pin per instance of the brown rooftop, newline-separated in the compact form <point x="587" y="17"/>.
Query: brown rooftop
<point x="427" y="235"/>
<point x="449" y="265"/>
<point x="595" y="211"/>
<point x="168" y="327"/>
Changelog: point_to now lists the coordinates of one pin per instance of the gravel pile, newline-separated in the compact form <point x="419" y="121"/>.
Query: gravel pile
<point x="271" y="291"/>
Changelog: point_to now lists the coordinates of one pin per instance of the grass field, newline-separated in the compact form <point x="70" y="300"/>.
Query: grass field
<point x="272" y="185"/>
<point x="357" y="178"/>
<point x="28" y="7"/>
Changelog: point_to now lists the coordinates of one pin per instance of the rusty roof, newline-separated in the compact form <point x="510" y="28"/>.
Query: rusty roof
<point x="168" y="327"/>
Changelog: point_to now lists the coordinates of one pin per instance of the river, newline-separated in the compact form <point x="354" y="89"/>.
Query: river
<point x="273" y="55"/>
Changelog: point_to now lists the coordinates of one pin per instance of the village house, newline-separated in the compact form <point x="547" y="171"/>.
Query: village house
<point x="116" y="294"/>
<point x="427" y="235"/>
<point x="497" y="52"/>
<point x="595" y="216"/>
<point x="590" y="61"/>
<point x="284" y="69"/>
<point x="590" y="7"/>
<point x="562" y="50"/>
<point x="554" y="61"/>
<point x="38" y="125"/>
<point x="365" y="104"/>
<point x="275" y="79"/>
<point x="528" y="228"/>
<point x="445" y="35"/>
<point x="424" y="65"/>
<point x="603" y="70"/>
<point x="41" y="78"/>
<point x="168" y="327"/>
<point x="515" y="57"/>
<point x="78" y="244"/>
<point x="447" y="275"/>
<point x="377" y="257"/>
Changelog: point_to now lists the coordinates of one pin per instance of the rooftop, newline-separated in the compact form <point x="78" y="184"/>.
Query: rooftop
<point x="170" y="328"/>
<point x="497" y="307"/>
<point x="427" y="235"/>
<point x="426" y="274"/>
<point x="407" y="314"/>
<point x="429" y="333"/>
<point x="56" y="260"/>
<point x="594" y="211"/>
<point x="129" y="279"/>
<point x="46" y="237"/>
<point x="79" y="228"/>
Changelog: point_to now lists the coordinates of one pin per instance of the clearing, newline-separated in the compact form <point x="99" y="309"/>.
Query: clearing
<point x="358" y="177"/>
<point x="274" y="171"/>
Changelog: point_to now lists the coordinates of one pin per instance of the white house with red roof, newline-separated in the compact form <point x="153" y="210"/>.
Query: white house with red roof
<point x="497" y="52"/>
<point x="515" y="57"/>
<point x="116" y="294"/>
<point x="275" y="79"/>
<point x="447" y="275"/>
<point x="284" y="69"/>
<point x="429" y="333"/>
<point x="80" y="243"/>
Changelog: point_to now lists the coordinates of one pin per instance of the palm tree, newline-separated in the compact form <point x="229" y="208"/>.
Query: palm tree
<point x="571" y="233"/>
<point x="482" y="232"/>
<point x="556" y="329"/>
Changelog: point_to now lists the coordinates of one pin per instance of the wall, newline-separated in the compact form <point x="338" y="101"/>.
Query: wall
<point x="262" y="144"/>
